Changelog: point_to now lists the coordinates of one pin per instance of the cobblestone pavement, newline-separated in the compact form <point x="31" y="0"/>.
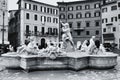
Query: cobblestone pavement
<point x="111" y="74"/>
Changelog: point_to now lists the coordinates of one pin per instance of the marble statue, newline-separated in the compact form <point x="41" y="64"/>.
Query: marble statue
<point x="32" y="46"/>
<point x="84" y="47"/>
<point x="79" y="45"/>
<point x="91" y="46"/>
<point x="21" y="49"/>
<point x="67" y="38"/>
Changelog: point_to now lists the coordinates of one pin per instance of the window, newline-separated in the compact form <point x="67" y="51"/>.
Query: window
<point x="113" y="19"/>
<point x="97" y="14"/>
<point x="27" y="28"/>
<point x="79" y="15"/>
<point x="104" y="10"/>
<point x="70" y="8"/>
<point x="25" y="5"/>
<point x="51" y="11"/>
<point x="114" y="7"/>
<point x="114" y="29"/>
<point x="70" y="16"/>
<point x="104" y="29"/>
<point x="78" y="7"/>
<point x="118" y="4"/>
<point x="41" y="8"/>
<point x="87" y="32"/>
<point x="70" y="24"/>
<point x="56" y="12"/>
<point x="55" y="20"/>
<point x="43" y="30"/>
<point x="48" y="19"/>
<point x="62" y="8"/>
<point x="62" y="16"/>
<point x="87" y="15"/>
<point x="118" y="16"/>
<point x="49" y="31"/>
<point x="29" y="6"/>
<point x="27" y="16"/>
<point x="35" y="17"/>
<point x="97" y="5"/>
<point x="55" y="31"/>
<point x="44" y="18"/>
<point x="45" y="9"/>
<point x="105" y="20"/>
<point x="87" y="6"/>
<point x="35" y="30"/>
<point x="78" y="24"/>
<point x="48" y="10"/>
<point x="41" y="18"/>
<point x="87" y="24"/>
<point x="78" y="33"/>
<point x="35" y="7"/>
<point x="97" y="23"/>
<point x="97" y="32"/>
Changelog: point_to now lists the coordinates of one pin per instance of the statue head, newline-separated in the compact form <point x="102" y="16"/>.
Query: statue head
<point x="93" y="37"/>
<point x="31" y="38"/>
<point x="66" y="25"/>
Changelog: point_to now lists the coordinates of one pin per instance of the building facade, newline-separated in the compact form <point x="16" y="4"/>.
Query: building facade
<point x="111" y="22"/>
<point x="36" y="19"/>
<point x="84" y="18"/>
<point x="12" y="29"/>
<point x="4" y="8"/>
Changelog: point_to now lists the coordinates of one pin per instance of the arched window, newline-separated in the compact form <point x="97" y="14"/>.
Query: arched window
<point x="79" y="15"/>
<point x="70" y="16"/>
<point x="87" y="15"/>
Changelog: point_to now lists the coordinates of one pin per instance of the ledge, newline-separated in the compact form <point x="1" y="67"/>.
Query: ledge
<point x="76" y="62"/>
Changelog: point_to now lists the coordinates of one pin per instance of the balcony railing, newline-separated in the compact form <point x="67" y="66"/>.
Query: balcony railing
<point x="40" y="34"/>
<point x="79" y="29"/>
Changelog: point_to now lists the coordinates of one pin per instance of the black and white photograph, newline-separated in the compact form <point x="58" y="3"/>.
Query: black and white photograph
<point x="59" y="39"/>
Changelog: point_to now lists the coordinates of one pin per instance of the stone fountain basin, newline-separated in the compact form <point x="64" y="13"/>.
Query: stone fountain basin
<point x="103" y="61"/>
<point x="11" y="60"/>
<point x="73" y="60"/>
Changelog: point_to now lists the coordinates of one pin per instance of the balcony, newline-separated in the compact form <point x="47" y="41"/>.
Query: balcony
<point x="79" y="29"/>
<point x="109" y="24"/>
<point x="40" y="34"/>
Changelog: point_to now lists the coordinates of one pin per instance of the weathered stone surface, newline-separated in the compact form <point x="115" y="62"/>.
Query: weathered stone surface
<point x="76" y="62"/>
<point x="102" y="61"/>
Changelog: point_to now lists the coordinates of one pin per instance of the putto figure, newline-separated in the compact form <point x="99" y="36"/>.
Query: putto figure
<point x="66" y="37"/>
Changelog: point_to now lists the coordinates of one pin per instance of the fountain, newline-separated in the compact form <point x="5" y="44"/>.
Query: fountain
<point x="91" y="55"/>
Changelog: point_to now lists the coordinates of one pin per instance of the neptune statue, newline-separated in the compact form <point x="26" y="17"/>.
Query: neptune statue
<point x="67" y="38"/>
